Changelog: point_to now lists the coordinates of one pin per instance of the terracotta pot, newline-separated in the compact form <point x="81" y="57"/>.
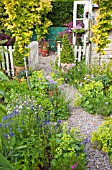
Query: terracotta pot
<point x="39" y="50"/>
<point x="18" y="69"/>
<point x="44" y="53"/>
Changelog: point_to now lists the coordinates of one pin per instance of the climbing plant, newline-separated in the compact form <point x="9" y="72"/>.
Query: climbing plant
<point x="23" y="16"/>
<point x="103" y="25"/>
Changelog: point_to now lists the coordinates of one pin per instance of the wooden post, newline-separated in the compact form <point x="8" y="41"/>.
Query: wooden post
<point x="11" y="60"/>
<point x="59" y="49"/>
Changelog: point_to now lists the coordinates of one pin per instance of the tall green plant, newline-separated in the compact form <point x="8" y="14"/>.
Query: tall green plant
<point x="67" y="54"/>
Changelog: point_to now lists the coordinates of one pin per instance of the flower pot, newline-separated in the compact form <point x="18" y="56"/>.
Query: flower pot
<point x="39" y="50"/>
<point x="44" y="53"/>
<point x="18" y="69"/>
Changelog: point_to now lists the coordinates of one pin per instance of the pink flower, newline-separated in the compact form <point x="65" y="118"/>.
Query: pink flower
<point x="74" y="166"/>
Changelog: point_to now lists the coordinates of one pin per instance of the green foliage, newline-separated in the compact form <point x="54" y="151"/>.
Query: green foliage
<point x="67" y="148"/>
<point x="94" y="100"/>
<point x="29" y="138"/>
<point x="3" y="16"/>
<point x="101" y="29"/>
<point x="60" y="13"/>
<point x="67" y="54"/>
<point x="21" y="21"/>
<point x="2" y="93"/>
<point x="104" y="79"/>
<point x="4" y="164"/>
<point x="75" y="76"/>
<point x="23" y="74"/>
<point x="102" y="138"/>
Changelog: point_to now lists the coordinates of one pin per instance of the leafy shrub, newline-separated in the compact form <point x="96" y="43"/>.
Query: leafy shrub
<point x="104" y="79"/>
<point x="102" y="138"/>
<point x="76" y="75"/>
<point x="23" y="74"/>
<point x="93" y="99"/>
<point x="67" y="54"/>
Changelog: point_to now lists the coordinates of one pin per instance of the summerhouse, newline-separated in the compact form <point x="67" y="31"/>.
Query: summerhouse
<point x="88" y="17"/>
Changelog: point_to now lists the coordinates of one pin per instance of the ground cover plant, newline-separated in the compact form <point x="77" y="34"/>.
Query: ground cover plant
<point x="29" y="138"/>
<point x="102" y="138"/>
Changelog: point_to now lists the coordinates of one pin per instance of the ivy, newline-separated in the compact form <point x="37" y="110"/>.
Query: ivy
<point x="101" y="29"/>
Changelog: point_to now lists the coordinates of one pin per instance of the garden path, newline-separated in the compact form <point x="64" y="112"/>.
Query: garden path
<point x="87" y="123"/>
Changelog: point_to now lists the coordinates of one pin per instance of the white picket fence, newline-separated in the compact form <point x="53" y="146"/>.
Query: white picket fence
<point x="8" y="65"/>
<point x="7" y="59"/>
<point x="80" y="52"/>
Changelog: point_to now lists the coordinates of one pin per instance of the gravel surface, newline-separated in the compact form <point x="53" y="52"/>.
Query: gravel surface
<point x="87" y="123"/>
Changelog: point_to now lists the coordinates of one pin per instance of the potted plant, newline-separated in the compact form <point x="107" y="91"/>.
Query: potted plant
<point x="44" y="47"/>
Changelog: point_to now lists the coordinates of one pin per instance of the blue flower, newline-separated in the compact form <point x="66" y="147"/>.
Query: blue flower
<point x="5" y="118"/>
<point x="5" y="125"/>
<point x="10" y="129"/>
<point x="46" y="122"/>
<point x="20" y="130"/>
<point x="11" y="134"/>
<point x="5" y="135"/>
<point x="23" y="122"/>
<point x="48" y="112"/>
<point x="0" y="125"/>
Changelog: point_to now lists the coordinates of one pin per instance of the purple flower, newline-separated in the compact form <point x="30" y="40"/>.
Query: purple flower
<point x="48" y="77"/>
<point x="86" y="141"/>
<point x="52" y="82"/>
<point x="59" y="121"/>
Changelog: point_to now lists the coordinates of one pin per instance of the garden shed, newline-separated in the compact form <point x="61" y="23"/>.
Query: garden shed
<point x="88" y="17"/>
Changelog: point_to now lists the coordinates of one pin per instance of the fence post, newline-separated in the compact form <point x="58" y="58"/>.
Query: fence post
<point x="11" y="60"/>
<point x="79" y="53"/>
<point x="7" y="60"/>
<point x="59" y="61"/>
<point x="75" y="52"/>
<point x="87" y="55"/>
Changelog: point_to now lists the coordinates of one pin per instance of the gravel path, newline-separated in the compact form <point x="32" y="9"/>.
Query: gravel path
<point x="87" y="123"/>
